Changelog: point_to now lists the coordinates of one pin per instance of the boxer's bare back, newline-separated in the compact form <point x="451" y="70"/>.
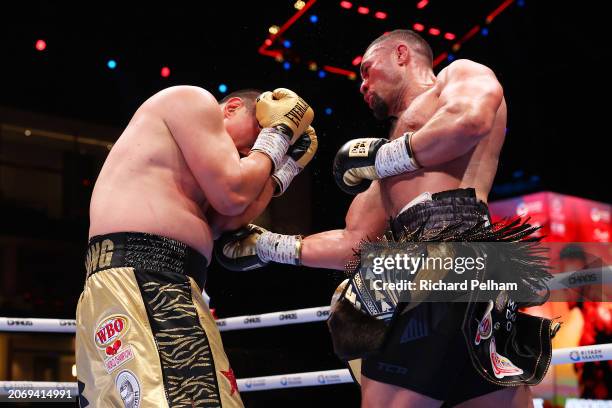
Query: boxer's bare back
<point x="146" y="186"/>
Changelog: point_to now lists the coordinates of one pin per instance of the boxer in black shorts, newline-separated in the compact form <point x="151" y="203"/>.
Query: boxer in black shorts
<point x="447" y="133"/>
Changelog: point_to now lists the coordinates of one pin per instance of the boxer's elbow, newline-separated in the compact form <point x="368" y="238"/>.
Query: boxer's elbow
<point x="474" y="118"/>
<point x="475" y="123"/>
<point x="231" y="203"/>
<point x="469" y="120"/>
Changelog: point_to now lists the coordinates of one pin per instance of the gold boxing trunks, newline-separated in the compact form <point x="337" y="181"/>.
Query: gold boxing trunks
<point x="145" y="337"/>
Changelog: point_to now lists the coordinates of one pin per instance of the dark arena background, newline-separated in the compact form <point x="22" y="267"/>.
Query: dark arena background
<point x="73" y="74"/>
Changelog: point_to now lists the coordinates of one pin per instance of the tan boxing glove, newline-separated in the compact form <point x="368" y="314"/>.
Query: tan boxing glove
<point x="284" y="117"/>
<point x="298" y="156"/>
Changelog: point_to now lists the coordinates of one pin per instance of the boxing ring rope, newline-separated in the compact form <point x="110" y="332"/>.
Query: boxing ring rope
<point x="598" y="352"/>
<point x="312" y="314"/>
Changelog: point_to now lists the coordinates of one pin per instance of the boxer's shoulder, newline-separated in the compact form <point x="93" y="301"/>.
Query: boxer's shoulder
<point x="465" y="66"/>
<point x="191" y="97"/>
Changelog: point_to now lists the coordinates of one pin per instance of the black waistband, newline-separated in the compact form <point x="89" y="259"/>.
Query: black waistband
<point x="444" y="208"/>
<point x="146" y="251"/>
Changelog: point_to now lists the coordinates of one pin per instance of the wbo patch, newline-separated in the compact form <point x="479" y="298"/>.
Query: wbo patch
<point x="485" y="327"/>
<point x="502" y="366"/>
<point x="109" y="331"/>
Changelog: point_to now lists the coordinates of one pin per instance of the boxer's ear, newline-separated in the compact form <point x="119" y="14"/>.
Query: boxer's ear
<point x="402" y="53"/>
<point x="231" y="106"/>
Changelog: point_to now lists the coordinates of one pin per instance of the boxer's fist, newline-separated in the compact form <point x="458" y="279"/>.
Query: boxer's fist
<point x="355" y="164"/>
<point x="362" y="160"/>
<point x="298" y="156"/>
<point x="237" y="250"/>
<point x="285" y="110"/>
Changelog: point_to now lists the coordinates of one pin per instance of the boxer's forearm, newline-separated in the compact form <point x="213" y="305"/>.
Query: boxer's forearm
<point x="329" y="249"/>
<point x="449" y="134"/>
<point x="221" y="223"/>
<point x="246" y="184"/>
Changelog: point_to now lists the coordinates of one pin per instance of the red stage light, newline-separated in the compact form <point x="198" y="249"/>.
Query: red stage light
<point x="165" y="72"/>
<point x="268" y="42"/>
<point x="346" y="4"/>
<point x="41" y="45"/>
<point x="357" y="60"/>
<point x="418" y="27"/>
<point x="421" y="4"/>
<point x="449" y="36"/>
<point x="363" y="10"/>
<point x="434" y="31"/>
<point x="380" y="15"/>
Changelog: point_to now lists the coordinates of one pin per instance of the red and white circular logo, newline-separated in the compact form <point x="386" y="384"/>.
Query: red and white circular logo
<point x="110" y="329"/>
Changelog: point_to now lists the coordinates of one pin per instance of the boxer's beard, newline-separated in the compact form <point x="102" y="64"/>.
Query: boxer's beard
<point x="379" y="107"/>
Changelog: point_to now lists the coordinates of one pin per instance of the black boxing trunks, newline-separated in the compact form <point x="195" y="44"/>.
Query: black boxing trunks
<point x="448" y="351"/>
<point x="145" y="337"/>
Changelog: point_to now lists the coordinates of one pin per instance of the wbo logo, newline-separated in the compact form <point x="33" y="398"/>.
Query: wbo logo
<point x="283" y="381"/>
<point x="574" y="356"/>
<point x="110" y="329"/>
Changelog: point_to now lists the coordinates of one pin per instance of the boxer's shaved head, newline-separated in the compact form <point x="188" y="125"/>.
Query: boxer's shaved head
<point x="416" y="43"/>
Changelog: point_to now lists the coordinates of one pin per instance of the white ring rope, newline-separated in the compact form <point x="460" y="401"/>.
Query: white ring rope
<point x="599" y="276"/>
<point x="312" y="314"/>
<point x="598" y="352"/>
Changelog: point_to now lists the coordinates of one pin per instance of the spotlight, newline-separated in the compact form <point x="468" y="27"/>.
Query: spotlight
<point x="41" y="45"/>
<point x="111" y="64"/>
<point x="222" y="88"/>
<point x="165" y="72"/>
<point x="381" y="15"/>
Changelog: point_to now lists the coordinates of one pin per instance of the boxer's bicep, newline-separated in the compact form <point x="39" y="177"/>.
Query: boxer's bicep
<point x="366" y="219"/>
<point x="470" y="97"/>
<point x="366" y="216"/>
<point x="467" y="106"/>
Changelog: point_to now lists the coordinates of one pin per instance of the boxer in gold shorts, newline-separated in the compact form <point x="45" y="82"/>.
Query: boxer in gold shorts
<point x="185" y="169"/>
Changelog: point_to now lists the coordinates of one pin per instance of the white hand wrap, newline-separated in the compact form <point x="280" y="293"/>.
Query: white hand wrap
<point x="285" y="174"/>
<point x="279" y="248"/>
<point x="394" y="158"/>
<point x="273" y="143"/>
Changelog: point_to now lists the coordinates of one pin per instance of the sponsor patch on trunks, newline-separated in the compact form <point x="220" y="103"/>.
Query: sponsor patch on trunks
<point x="502" y="366"/>
<point x="485" y="327"/>
<point x="109" y="330"/>
<point x="128" y="386"/>
<point x="118" y="358"/>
